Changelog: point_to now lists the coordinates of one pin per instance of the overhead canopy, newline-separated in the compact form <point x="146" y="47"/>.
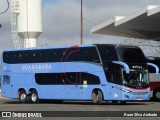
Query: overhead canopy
<point x="143" y="24"/>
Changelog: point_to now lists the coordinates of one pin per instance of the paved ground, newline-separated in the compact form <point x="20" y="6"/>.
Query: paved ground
<point x="14" y="105"/>
<point x="2" y="98"/>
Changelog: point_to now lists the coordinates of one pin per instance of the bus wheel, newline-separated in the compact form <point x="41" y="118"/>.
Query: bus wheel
<point x="97" y="97"/>
<point x="22" y="96"/>
<point x="94" y="97"/>
<point x="34" y="96"/>
<point x="156" y="95"/>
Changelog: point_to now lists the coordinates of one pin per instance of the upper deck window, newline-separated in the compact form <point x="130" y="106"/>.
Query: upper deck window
<point x="107" y="52"/>
<point x="88" y="54"/>
<point x="131" y="55"/>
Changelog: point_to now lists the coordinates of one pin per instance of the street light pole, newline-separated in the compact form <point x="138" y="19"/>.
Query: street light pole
<point x="81" y="22"/>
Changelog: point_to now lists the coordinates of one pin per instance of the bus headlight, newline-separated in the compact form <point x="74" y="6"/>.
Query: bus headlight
<point x="125" y="90"/>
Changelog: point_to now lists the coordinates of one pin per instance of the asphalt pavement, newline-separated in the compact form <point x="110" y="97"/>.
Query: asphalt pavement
<point x="86" y="108"/>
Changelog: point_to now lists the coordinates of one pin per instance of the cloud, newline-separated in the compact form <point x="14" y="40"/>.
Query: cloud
<point x="61" y="21"/>
<point x="66" y="31"/>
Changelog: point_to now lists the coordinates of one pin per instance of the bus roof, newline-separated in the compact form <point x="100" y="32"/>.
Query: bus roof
<point x="71" y="46"/>
<point x="49" y="47"/>
<point x="116" y="45"/>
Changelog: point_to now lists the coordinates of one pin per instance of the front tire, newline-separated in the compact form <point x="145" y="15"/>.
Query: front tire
<point x="94" y="97"/>
<point x="97" y="97"/>
<point x="34" y="97"/>
<point x="22" y="96"/>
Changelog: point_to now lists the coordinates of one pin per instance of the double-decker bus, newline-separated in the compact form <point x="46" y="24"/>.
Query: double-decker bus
<point x="100" y="72"/>
<point x="154" y="79"/>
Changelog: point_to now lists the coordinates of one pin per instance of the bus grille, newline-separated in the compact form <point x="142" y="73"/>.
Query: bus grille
<point x="139" y="93"/>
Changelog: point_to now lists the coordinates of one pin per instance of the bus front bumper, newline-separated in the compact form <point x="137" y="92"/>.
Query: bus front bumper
<point x="136" y="96"/>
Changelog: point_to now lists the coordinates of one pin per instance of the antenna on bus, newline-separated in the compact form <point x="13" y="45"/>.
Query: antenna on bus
<point x="81" y="33"/>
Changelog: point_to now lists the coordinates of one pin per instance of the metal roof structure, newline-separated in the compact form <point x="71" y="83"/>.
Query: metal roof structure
<point x="143" y="24"/>
<point x="153" y="58"/>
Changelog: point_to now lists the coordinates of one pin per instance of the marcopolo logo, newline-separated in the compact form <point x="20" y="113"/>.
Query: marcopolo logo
<point x="137" y="67"/>
<point x="37" y="67"/>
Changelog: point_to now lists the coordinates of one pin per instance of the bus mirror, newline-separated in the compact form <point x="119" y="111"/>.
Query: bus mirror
<point x="155" y="66"/>
<point x="126" y="67"/>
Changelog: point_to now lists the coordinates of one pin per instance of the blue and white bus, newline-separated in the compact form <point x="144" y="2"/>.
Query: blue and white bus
<point x="100" y="72"/>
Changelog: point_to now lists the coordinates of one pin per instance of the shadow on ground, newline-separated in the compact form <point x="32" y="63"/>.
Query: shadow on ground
<point x="79" y="102"/>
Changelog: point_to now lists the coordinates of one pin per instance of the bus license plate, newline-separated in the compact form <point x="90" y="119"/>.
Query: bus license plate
<point x="139" y="99"/>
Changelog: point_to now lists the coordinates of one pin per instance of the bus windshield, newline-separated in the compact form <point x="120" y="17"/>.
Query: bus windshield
<point x="136" y="79"/>
<point x="131" y="55"/>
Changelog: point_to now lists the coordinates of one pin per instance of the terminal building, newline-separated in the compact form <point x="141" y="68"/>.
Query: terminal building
<point x="143" y="24"/>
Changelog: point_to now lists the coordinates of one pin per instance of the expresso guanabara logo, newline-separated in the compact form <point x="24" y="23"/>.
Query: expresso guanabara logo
<point x="37" y="67"/>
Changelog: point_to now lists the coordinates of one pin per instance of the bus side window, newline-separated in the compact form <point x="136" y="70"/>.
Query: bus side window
<point x="108" y="53"/>
<point x="84" y="54"/>
<point x="114" y="77"/>
<point x="88" y="54"/>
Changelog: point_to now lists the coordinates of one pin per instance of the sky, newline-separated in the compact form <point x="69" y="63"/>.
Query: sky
<point x="61" y="21"/>
<point x="49" y="1"/>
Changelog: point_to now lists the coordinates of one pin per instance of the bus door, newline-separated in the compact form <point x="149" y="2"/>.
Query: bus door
<point x="114" y="83"/>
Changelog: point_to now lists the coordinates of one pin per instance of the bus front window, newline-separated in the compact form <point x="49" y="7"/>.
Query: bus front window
<point x="136" y="79"/>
